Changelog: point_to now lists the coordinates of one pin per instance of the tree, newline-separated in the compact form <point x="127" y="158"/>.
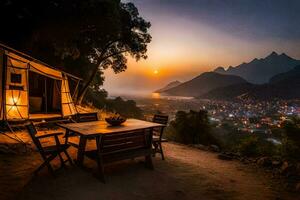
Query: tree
<point x="192" y="128"/>
<point x="84" y="37"/>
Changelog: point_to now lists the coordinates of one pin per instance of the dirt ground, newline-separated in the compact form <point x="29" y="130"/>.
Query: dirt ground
<point x="187" y="173"/>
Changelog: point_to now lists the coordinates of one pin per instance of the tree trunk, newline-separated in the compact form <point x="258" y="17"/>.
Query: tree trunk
<point x="83" y="91"/>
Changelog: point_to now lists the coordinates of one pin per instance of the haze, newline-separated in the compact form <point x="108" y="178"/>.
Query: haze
<point x="190" y="37"/>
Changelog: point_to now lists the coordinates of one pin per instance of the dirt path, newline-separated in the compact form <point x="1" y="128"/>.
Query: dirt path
<point x="187" y="173"/>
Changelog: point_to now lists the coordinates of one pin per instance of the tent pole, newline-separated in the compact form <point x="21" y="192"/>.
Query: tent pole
<point x="46" y="109"/>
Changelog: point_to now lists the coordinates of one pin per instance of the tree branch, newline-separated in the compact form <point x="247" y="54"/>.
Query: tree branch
<point x="113" y="54"/>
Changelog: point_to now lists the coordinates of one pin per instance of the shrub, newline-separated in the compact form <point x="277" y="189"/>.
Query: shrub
<point x="126" y="108"/>
<point x="291" y="143"/>
<point x="191" y="128"/>
<point x="249" y="146"/>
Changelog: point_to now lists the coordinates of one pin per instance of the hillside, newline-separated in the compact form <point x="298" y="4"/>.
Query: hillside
<point x="283" y="86"/>
<point x="204" y="83"/>
<point x="259" y="71"/>
<point x="293" y="74"/>
<point x="168" y="86"/>
<point x="229" y="92"/>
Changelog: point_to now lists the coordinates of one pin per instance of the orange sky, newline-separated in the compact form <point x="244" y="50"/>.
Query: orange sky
<point x="183" y="48"/>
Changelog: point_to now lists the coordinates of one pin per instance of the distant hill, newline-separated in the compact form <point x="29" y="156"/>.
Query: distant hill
<point x="292" y="75"/>
<point x="259" y="71"/>
<point x="282" y="86"/>
<point x="229" y="92"/>
<point x="169" y="86"/>
<point x="204" y="83"/>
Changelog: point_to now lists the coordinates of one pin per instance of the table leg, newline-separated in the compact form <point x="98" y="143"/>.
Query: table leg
<point x="81" y="150"/>
<point x="148" y="158"/>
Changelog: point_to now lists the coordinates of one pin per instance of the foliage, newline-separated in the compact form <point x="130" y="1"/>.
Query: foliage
<point x="257" y="144"/>
<point x="191" y="128"/>
<point x="84" y="37"/>
<point x="249" y="146"/>
<point x="291" y="142"/>
<point x="253" y="146"/>
<point x="125" y="108"/>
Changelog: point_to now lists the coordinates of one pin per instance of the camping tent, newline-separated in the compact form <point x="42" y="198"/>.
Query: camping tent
<point x="31" y="89"/>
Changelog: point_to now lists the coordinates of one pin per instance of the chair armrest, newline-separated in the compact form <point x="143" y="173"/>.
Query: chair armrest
<point x="49" y="135"/>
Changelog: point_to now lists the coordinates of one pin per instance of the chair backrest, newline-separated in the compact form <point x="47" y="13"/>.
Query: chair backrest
<point x="87" y="117"/>
<point x="161" y="119"/>
<point x="32" y="132"/>
<point x="120" y="142"/>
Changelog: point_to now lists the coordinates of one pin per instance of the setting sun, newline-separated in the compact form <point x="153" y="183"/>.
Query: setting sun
<point x="155" y="71"/>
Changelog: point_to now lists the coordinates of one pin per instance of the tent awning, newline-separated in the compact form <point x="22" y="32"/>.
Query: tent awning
<point x="35" y="66"/>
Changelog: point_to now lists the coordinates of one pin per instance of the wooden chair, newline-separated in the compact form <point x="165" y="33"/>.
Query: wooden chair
<point x="157" y="134"/>
<point x="121" y="146"/>
<point x="49" y="153"/>
<point x="81" y="117"/>
<point x="87" y="117"/>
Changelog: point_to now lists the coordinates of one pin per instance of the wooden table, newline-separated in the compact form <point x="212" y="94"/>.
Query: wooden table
<point x="93" y="129"/>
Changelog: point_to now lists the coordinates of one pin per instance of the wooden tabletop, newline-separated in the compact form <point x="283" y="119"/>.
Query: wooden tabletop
<point x="102" y="127"/>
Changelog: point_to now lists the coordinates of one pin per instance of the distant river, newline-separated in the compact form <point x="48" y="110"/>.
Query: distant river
<point x="159" y="96"/>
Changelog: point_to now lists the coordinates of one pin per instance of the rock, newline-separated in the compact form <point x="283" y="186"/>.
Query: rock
<point x="246" y="161"/>
<point x="276" y="163"/>
<point x="252" y="160"/>
<point x="288" y="169"/>
<point x="298" y="187"/>
<point x="284" y="167"/>
<point x="214" y="148"/>
<point x="264" y="161"/>
<point x="232" y="155"/>
<point x="223" y="156"/>
<point x="298" y="169"/>
<point x="201" y="146"/>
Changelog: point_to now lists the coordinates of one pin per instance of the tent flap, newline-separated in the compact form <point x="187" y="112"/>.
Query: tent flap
<point x="44" y="70"/>
<point x="1" y="83"/>
<point x="68" y="106"/>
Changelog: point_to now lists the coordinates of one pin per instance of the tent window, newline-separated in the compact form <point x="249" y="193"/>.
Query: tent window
<point x="15" y="87"/>
<point x="15" y="78"/>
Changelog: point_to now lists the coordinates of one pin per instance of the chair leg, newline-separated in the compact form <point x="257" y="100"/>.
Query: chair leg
<point x="61" y="160"/>
<point x="155" y="149"/>
<point x="40" y="167"/>
<point x="161" y="151"/>
<point x="50" y="169"/>
<point x="46" y="163"/>
<point x="68" y="156"/>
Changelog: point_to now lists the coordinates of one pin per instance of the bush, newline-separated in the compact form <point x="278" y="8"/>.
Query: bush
<point x="126" y="108"/>
<point x="191" y="128"/>
<point x="254" y="145"/>
<point x="291" y="142"/>
<point x="249" y="146"/>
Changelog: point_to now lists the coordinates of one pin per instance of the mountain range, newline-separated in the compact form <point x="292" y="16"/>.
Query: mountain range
<point x="259" y="71"/>
<point x="168" y="86"/>
<point x="203" y="84"/>
<point x="282" y="82"/>
<point x="282" y="86"/>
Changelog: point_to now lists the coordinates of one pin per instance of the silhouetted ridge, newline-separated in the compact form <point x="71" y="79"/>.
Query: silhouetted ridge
<point x="261" y="70"/>
<point x="282" y="86"/>
<point x="168" y="86"/>
<point x="204" y="83"/>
